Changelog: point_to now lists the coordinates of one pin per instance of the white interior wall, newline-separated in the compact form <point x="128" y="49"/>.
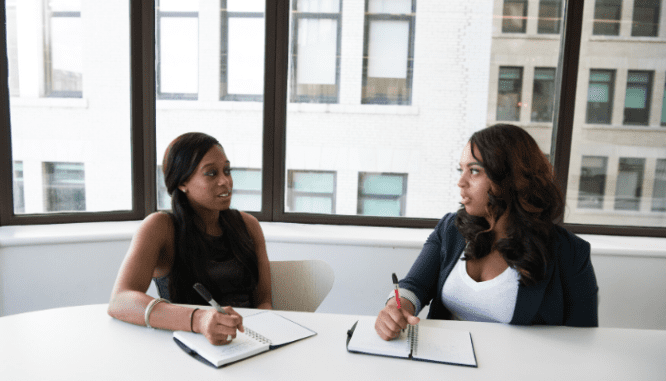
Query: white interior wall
<point x="64" y="265"/>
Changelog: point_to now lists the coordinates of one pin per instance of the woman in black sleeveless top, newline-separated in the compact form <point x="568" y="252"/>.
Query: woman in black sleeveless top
<point x="202" y="241"/>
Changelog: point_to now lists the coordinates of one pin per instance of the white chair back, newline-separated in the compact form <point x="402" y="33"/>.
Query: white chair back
<point x="300" y="285"/>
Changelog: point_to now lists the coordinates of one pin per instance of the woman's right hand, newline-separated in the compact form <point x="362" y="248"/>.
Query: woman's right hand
<point x="392" y="320"/>
<point x="217" y="326"/>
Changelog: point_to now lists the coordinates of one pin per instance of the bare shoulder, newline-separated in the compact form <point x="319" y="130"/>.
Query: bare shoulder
<point x="252" y="224"/>
<point x="159" y="223"/>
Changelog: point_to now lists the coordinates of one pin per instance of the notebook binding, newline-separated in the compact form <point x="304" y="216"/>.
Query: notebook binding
<point x="413" y="335"/>
<point x="257" y="336"/>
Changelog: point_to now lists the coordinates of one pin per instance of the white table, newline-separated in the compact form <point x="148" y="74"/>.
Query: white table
<point x="84" y="343"/>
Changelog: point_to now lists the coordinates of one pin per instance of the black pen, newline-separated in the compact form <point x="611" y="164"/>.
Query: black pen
<point x="209" y="298"/>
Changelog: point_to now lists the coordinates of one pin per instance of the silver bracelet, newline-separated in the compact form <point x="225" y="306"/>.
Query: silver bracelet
<point x="149" y="309"/>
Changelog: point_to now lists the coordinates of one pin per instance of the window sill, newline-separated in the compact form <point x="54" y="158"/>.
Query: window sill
<point x="525" y="36"/>
<point x="658" y="40"/>
<point x="623" y="127"/>
<point x="276" y="232"/>
<point x="332" y="108"/>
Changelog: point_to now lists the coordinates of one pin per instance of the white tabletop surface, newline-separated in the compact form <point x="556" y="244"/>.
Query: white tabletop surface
<point x="84" y="343"/>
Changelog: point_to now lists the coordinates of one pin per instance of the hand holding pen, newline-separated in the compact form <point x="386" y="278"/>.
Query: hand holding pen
<point x="396" y="316"/>
<point x="219" y="325"/>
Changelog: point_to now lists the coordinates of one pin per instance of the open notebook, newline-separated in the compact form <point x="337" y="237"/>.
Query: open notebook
<point x="263" y="331"/>
<point x="417" y="342"/>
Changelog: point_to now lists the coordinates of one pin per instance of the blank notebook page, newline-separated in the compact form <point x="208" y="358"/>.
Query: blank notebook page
<point x="444" y="345"/>
<point x="365" y="339"/>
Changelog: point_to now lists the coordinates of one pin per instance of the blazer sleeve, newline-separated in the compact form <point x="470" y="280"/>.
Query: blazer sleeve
<point x="423" y="276"/>
<point x="579" y="283"/>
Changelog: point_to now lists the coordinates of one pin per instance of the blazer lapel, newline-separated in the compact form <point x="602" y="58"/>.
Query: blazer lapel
<point x="529" y="299"/>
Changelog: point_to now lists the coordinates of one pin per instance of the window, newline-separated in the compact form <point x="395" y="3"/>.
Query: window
<point x="550" y="16"/>
<point x="388" y="52"/>
<point x="247" y="189"/>
<point x="637" y="100"/>
<point x="592" y="182"/>
<point x="19" y="190"/>
<point x="163" y="198"/>
<point x="663" y="108"/>
<point x="12" y="47"/>
<point x="600" y="96"/>
<point x="242" y="50"/>
<point x="63" y="49"/>
<point x="646" y="18"/>
<point x="316" y="51"/>
<point x="543" y="95"/>
<point x="607" y="17"/>
<point x="659" y="190"/>
<point x="177" y="49"/>
<point x="514" y="17"/>
<point x="382" y="194"/>
<point x="509" y="91"/>
<point x="311" y="192"/>
<point x="64" y="187"/>
<point x="629" y="187"/>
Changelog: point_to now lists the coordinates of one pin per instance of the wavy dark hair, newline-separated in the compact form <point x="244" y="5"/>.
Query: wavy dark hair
<point x="191" y="253"/>
<point x="524" y="189"/>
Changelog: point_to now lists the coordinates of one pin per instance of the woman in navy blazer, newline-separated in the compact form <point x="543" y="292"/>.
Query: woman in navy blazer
<point x="510" y="207"/>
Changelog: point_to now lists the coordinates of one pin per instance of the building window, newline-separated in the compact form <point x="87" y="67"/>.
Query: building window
<point x="163" y="198"/>
<point x="607" y="17"/>
<point x="663" y="107"/>
<point x="592" y="186"/>
<point x="543" y="95"/>
<point x="64" y="187"/>
<point x="177" y="49"/>
<point x="508" y="93"/>
<point x="388" y="52"/>
<point x="12" y="48"/>
<point x="63" y="49"/>
<point x="316" y="51"/>
<point x="550" y="16"/>
<point x="659" y="191"/>
<point x="18" y="188"/>
<point x="514" y="16"/>
<point x="382" y="194"/>
<point x="242" y="51"/>
<point x="600" y="96"/>
<point x="311" y="191"/>
<point x="247" y="189"/>
<point x="629" y="184"/>
<point x="645" y="22"/>
<point x="637" y="100"/>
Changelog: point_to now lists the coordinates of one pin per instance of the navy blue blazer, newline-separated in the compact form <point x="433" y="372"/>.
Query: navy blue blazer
<point x="566" y="296"/>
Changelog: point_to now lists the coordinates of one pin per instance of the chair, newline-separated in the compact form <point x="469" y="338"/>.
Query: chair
<point x="300" y="285"/>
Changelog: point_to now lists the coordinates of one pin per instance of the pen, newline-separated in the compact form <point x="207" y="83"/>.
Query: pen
<point x="397" y="294"/>
<point x="209" y="298"/>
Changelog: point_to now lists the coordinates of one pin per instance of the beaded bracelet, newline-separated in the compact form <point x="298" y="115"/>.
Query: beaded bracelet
<point x="149" y="309"/>
<point x="192" y="320"/>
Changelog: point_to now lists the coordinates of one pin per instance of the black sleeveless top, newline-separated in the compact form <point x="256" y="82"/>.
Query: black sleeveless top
<point x="233" y="283"/>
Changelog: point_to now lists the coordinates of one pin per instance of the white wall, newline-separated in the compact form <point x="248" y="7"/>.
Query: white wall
<point x="64" y="265"/>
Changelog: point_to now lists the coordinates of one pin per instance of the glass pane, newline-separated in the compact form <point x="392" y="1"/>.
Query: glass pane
<point x="606" y="20"/>
<point x="618" y="151"/>
<point x="408" y="100"/>
<point x="514" y="16"/>
<point x="216" y="73"/>
<point x="70" y="106"/>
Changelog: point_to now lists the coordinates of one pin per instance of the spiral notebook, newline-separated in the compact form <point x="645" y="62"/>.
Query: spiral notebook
<point x="263" y="331"/>
<point x="418" y="342"/>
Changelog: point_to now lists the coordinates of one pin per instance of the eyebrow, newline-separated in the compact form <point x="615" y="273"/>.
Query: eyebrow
<point x="209" y="164"/>
<point x="473" y="163"/>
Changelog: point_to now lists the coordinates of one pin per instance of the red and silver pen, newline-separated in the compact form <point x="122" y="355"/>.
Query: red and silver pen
<point x="397" y="294"/>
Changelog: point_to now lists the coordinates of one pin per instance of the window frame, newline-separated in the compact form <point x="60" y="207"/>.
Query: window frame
<point x="523" y="18"/>
<point x="647" y="101"/>
<point x="143" y="98"/>
<point x="292" y="194"/>
<point x="611" y="94"/>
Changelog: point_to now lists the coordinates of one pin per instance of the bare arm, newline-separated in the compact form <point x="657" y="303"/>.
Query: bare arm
<point x="262" y="295"/>
<point x="150" y="254"/>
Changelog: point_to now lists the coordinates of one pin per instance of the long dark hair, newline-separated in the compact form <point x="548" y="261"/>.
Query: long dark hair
<point x="523" y="188"/>
<point x="191" y="253"/>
